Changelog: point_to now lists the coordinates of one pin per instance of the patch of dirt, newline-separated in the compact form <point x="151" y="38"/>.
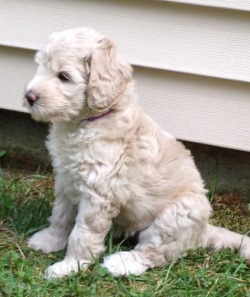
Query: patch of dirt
<point x="231" y="200"/>
<point x="231" y="211"/>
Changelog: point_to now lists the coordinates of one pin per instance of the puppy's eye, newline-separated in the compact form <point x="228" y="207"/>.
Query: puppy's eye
<point x="63" y="76"/>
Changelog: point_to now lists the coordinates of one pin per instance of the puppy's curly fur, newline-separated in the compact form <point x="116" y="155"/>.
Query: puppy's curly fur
<point x="113" y="165"/>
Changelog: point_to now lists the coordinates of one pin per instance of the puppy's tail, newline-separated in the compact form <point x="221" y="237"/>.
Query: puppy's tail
<point x="218" y="238"/>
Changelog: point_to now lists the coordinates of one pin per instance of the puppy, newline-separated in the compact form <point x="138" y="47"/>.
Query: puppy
<point x="113" y="165"/>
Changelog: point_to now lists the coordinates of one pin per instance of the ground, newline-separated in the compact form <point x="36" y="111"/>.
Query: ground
<point x="25" y="203"/>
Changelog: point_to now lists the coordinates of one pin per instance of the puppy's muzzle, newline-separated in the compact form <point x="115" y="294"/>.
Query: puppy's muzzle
<point x="31" y="97"/>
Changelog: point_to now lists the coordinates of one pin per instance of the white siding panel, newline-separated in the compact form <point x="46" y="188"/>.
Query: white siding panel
<point x="193" y="108"/>
<point x="229" y="4"/>
<point x="158" y="34"/>
<point x="17" y="68"/>
<point x="198" y="109"/>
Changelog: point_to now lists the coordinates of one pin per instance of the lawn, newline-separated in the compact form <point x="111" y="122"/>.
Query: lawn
<point x="25" y="203"/>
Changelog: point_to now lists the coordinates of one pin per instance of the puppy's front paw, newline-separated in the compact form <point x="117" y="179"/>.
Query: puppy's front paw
<point x="63" y="268"/>
<point x="47" y="242"/>
<point x="125" y="263"/>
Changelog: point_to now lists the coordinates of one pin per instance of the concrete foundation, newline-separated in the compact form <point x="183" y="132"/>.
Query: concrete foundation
<point x="223" y="170"/>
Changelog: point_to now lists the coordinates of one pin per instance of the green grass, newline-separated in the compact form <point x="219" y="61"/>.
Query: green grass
<point x="25" y="203"/>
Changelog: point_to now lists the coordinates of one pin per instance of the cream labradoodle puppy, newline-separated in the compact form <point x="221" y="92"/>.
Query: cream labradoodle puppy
<point x="113" y="165"/>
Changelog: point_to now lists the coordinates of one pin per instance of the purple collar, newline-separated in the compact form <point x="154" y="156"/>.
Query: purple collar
<point x="93" y="118"/>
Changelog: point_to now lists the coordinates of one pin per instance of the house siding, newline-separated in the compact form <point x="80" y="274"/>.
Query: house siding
<point x="191" y="62"/>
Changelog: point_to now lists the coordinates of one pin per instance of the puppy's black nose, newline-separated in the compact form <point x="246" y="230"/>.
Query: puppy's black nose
<point x="31" y="97"/>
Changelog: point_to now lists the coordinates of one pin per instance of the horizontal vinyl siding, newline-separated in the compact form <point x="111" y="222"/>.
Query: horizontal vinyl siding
<point x="191" y="62"/>
<point x="198" y="109"/>
<point x="229" y="4"/>
<point x="162" y="35"/>
<point x="193" y="108"/>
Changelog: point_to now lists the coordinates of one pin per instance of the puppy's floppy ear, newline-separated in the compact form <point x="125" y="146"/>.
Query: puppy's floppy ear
<point x="108" y="77"/>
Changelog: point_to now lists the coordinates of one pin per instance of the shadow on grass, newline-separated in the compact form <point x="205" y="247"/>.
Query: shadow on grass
<point x="25" y="203"/>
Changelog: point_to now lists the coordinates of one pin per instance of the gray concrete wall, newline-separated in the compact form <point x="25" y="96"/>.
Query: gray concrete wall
<point x="23" y="139"/>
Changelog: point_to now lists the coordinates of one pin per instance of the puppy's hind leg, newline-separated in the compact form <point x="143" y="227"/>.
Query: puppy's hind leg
<point x="54" y="238"/>
<point x="175" y="230"/>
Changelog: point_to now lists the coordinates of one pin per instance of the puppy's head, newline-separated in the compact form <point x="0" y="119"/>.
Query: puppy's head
<point x="79" y="73"/>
